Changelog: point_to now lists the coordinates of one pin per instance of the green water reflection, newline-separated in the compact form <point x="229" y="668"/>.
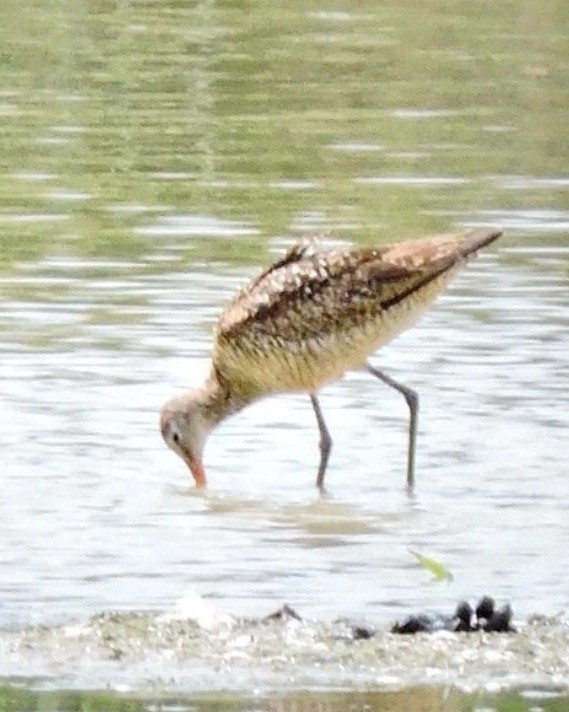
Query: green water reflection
<point x="13" y="699"/>
<point x="292" y="116"/>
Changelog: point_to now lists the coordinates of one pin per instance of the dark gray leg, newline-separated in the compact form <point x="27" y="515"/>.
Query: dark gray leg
<point x="413" y="402"/>
<point x="325" y="442"/>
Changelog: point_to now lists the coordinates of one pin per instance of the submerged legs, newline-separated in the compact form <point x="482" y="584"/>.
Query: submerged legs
<point x="325" y="442"/>
<point x="412" y="400"/>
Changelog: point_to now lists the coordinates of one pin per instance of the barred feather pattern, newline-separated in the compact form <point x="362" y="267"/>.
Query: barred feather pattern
<point x="317" y="312"/>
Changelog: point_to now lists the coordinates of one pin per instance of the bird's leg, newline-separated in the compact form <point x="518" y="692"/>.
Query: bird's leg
<point x="412" y="399"/>
<point x="325" y="442"/>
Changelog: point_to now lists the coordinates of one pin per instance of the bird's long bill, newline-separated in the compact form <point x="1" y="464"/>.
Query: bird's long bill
<point x="198" y="472"/>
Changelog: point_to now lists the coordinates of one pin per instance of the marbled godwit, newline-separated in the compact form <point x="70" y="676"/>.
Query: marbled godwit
<point x="307" y="319"/>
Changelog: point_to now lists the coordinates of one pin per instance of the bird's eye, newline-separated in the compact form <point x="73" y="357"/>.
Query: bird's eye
<point x="176" y="438"/>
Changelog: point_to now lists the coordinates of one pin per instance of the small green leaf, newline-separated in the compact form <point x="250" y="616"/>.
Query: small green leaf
<point x="439" y="572"/>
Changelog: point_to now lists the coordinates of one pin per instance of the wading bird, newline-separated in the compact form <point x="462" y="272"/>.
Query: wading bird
<point x="307" y="319"/>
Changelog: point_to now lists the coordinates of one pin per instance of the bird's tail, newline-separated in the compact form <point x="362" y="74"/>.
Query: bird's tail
<point x="474" y="241"/>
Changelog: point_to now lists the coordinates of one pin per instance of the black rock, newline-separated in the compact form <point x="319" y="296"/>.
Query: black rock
<point x="361" y="632"/>
<point x="484" y="611"/>
<point x="421" y="623"/>
<point x="461" y="621"/>
<point x="493" y="620"/>
<point x="463" y="618"/>
<point x="282" y="614"/>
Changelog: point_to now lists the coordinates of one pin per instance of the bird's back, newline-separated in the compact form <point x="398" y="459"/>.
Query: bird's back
<point x="315" y="314"/>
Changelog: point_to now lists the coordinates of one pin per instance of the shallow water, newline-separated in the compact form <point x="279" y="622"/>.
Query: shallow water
<point x="154" y="156"/>
<point x="97" y="514"/>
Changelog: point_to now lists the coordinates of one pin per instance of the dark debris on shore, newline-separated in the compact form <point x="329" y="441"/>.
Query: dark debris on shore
<point x="198" y="641"/>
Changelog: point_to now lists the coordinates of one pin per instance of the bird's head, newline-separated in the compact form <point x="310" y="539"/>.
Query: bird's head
<point x="185" y="426"/>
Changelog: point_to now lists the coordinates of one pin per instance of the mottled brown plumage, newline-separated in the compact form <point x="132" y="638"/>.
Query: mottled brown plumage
<point x="307" y="319"/>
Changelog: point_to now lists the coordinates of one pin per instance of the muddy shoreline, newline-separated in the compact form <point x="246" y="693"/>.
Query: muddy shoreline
<point x="210" y="650"/>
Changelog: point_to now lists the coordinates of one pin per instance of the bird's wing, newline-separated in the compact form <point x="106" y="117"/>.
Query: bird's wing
<point x="308" y="294"/>
<point x="311" y="316"/>
<point x="306" y="247"/>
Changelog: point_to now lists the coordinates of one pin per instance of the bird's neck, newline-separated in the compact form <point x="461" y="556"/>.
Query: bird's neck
<point x="220" y="400"/>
